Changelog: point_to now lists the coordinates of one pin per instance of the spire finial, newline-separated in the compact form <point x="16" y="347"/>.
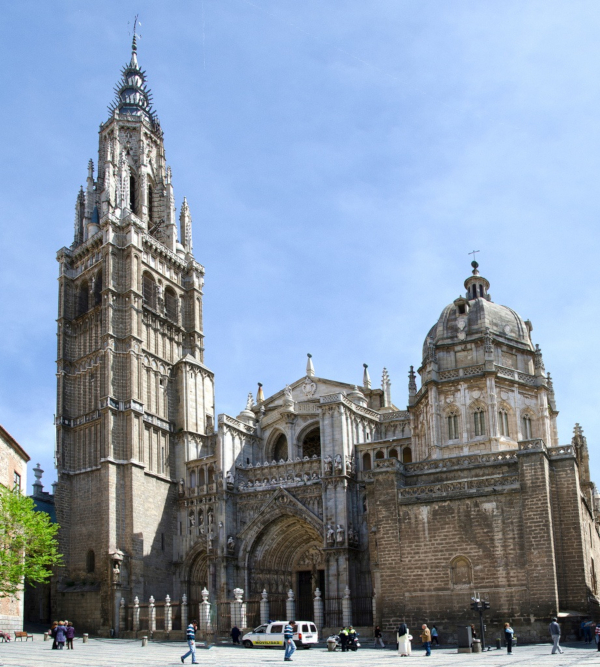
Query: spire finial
<point x="310" y="369"/>
<point x="260" y="396"/>
<point x="366" y="377"/>
<point x="134" y="40"/>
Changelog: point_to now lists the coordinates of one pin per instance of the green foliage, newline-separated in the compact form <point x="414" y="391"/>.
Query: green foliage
<point x="28" y="546"/>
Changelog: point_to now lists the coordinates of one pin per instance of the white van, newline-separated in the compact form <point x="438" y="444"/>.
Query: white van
<point x="270" y="635"/>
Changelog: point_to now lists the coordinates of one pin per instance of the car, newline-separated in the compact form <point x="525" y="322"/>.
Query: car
<point x="270" y="635"/>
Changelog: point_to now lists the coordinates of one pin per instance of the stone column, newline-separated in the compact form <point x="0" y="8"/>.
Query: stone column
<point x="136" y="614"/>
<point x="152" y="615"/>
<point x="184" y="612"/>
<point x="168" y="614"/>
<point x="204" y="613"/>
<point x="264" y="607"/>
<point x="318" y="609"/>
<point x="290" y="606"/>
<point x="346" y="608"/>
<point x="238" y="609"/>
<point x="122" y="616"/>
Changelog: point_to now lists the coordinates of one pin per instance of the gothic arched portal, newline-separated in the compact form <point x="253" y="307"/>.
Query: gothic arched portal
<point x="286" y="554"/>
<point x="198" y="579"/>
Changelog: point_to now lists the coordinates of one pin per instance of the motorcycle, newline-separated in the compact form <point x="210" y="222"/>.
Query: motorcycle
<point x="352" y="645"/>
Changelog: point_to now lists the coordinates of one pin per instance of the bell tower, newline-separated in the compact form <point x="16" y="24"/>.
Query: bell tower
<point x="132" y="388"/>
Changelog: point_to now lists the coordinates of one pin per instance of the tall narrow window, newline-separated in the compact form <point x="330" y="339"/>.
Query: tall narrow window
<point x="83" y="296"/>
<point x="149" y="291"/>
<point x="132" y="194"/>
<point x="527" y="427"/>
<point x="98" y="289"/>
<point x="452" y="427"/>
<point x="503" y="423"/>
<point x="479" y="420"/>
<point x="150" y="204"/>
<point x="90" y="561"/>
<point x="17" y="482"/>
<point x="407" y="455"/>
<point x="366" y="461"/>
<point x="171" y="304"/>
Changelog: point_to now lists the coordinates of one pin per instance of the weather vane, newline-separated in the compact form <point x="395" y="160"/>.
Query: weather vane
<point x="136" y="22"/>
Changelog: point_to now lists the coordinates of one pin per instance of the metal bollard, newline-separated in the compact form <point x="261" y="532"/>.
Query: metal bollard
<point x="45" y="636"/>
<point x="144" y="641"/>
<point x="85" y="637"/>
<point x="498" y="643"/>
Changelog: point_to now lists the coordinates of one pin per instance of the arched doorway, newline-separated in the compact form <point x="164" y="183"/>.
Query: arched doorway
<point x="198" y="579"/>
<point x="287" y="553"/>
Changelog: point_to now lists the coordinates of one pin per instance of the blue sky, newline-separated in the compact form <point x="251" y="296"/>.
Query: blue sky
<point x="340" y="160"/>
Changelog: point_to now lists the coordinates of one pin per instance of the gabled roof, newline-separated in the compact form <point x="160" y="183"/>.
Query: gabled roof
<point x="9" y="440"/>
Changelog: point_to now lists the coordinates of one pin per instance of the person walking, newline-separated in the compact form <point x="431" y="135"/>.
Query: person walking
<point x="587" y="632"/>
<point x="554" y="628"/>
<point x="344" y="639"/>
<point x="235" y="634"/>
<point x="403" y="640"/>
<point x="288" y="641"/>
<point x="597" y="635"/>
<point x="426" y="639"/>
<point x="508" y="637"/>
<point x="378" y="637"/>
<point x="53" y="634"/>
<point x="434" y="636"/>
<point x="190" y="635"/>
<point x="61" y="635"/>
<point x="70" y="635"/>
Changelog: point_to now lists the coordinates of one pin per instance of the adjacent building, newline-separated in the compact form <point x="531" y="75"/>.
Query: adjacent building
<point x="391" y="513"/>
<point x="13" y="475"/>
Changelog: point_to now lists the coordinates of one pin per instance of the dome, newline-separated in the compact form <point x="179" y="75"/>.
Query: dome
<point x="475" y="315"/>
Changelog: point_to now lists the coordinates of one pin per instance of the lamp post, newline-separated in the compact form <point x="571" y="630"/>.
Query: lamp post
<point x="480" y="606"/>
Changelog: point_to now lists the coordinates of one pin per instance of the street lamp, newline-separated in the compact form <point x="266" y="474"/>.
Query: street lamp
<point x="480" y="606"/>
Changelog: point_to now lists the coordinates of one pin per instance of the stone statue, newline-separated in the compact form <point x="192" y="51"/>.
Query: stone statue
<point x="250" y="402"/>
<point x="201" y="522"/>
<point x="237" y="594"/>
<point x="230" y="545"/>
<point x="116" y="571"/>
<point x="230" y="479"/>
<point x="327" y="464"/>
<point x="349" y="465"/>
<point x="181" y="487"/>
<point x="192" y="519"/>
<point x="287" y="392"/>
<point x="211" y="518"/>
<point x="338" y="464"/>
<point x="339" y="534"/>
<point x="330" y="537"/>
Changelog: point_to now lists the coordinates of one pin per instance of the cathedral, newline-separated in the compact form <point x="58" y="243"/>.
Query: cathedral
<point x="325" y="498"/>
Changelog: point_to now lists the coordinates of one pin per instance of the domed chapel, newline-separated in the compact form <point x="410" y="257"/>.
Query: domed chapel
<point x="323" y="501"/>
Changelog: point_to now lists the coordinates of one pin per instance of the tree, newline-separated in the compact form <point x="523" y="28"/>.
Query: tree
<point x="28" y="546"/>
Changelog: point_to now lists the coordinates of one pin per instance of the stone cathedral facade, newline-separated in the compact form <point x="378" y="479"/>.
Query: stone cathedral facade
<point x="324" y="484"/>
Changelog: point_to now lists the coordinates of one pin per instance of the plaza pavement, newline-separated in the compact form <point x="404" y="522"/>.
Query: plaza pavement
<point x="124" y="652"/>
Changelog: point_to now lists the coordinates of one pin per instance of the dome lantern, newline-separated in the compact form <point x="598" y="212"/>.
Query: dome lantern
<point x="477" y="286"/>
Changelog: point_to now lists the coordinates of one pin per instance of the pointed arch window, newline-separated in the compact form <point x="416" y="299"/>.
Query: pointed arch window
<point x="366" y="461"/>
<point x="149" y="291"/>
<point x="98" y="289"/>
<point x="407" y="455"/>
<point x="280" y="451"/>
<point x="311" y="445"/>
<point x="171" y="304"/>
<point x="150" y="204"/>
<point x="452" y="426"/>
<point x="503" y="423"/>
<point x="132" y="194"/>
<point x="479" y="422"/>
<point x="83" y="299"/>
<point x="527" y="431"/>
